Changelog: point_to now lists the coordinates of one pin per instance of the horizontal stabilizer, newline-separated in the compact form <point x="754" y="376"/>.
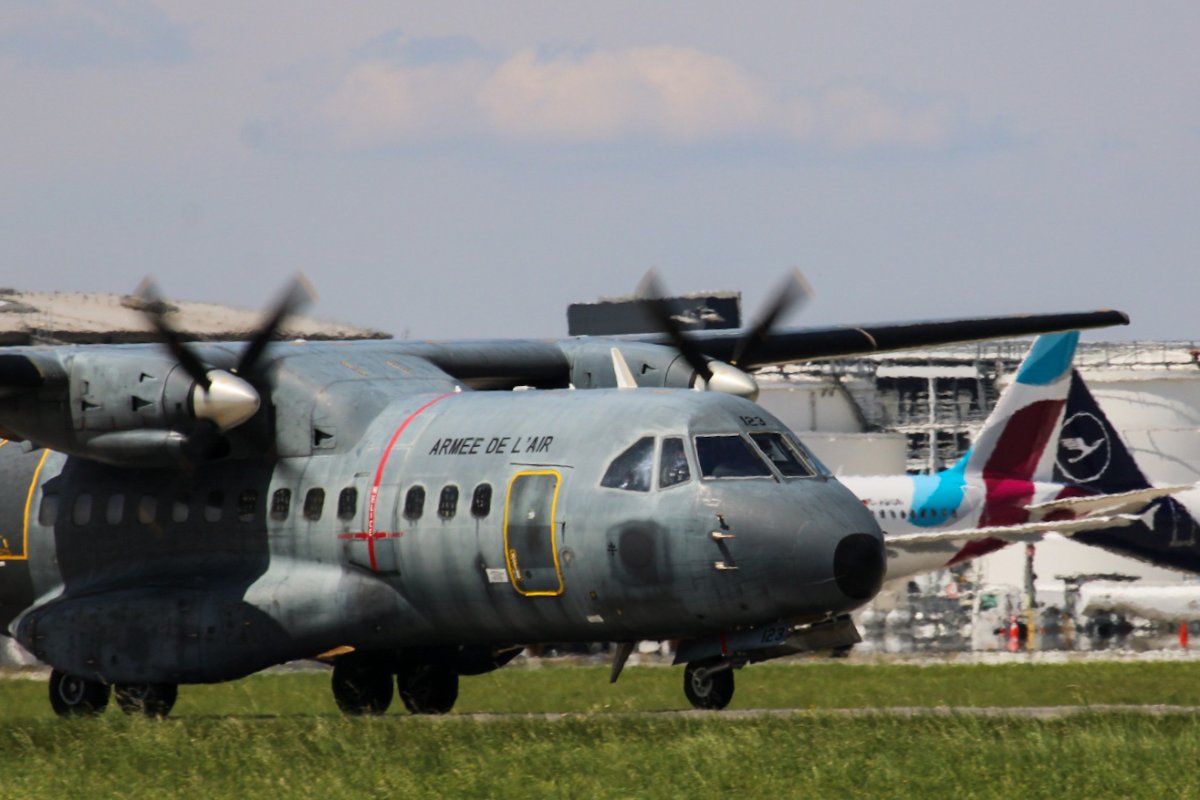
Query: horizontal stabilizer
<point x="1030" y="530"/>
<point x="1118" y="503"/>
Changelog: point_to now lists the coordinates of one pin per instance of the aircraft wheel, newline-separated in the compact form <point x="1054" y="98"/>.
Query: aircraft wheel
<point x="428" y="688"/>
<point x="151" y="699"/>
<point x="707" y="689"/>
<point x="361" y="687"/>
<point x="71" y="696"/>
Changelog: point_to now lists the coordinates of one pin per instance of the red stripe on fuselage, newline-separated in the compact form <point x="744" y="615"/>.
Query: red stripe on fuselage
<point x="370" y="535"/>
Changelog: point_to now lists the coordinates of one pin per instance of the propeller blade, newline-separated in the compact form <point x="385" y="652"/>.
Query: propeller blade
<point x="651" y="294"/>
<point x="793" y="293"/>
<point x="154" y="308"/>
<point x="295" y="297"/>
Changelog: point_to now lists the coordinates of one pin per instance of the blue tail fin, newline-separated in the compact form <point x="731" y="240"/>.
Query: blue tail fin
<point x="1091" y="454"/>
<point x="1093" y="457"/>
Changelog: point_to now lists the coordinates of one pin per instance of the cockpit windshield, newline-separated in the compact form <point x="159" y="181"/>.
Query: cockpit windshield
<point x="786" y="458"/>
<point x="729" y="456"/>
<point x="632" y="469"/>
<point x="673" y="464"/>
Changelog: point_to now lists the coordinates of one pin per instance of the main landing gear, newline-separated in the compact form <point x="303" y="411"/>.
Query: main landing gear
<point x="72" y="696"/>
<point x="708" y="684"/>
<point x="150" y="699"/>
<point x="362" y="685"/>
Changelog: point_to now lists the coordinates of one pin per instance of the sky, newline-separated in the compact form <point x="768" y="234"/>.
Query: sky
<point x="467" y="169"/>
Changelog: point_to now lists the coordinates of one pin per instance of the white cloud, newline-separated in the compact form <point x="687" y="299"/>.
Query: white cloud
<point x="379" y="102"/>
<point x="675" y="93"/>
<point x="664" y="93"/>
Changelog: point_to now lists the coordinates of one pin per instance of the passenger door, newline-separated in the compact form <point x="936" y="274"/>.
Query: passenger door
<point x="530" y="541"/>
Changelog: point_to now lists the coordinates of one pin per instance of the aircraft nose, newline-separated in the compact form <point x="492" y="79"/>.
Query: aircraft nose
<point x="859" y="561"/>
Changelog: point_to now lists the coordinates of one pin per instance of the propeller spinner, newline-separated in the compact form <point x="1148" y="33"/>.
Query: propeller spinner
<point x="223" y="399"/>
<point x="713" y="375"/>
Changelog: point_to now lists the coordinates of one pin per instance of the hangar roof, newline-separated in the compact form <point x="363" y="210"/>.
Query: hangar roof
<point x="88" y="318"/>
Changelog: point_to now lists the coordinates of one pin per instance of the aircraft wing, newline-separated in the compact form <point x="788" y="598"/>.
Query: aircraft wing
<point x="804" y="344"/>
<point x="1119" y="503"/>
<point x="1027" y="531"/>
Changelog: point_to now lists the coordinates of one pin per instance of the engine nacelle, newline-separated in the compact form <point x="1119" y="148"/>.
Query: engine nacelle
<point x="131" y="407"/>
<point x="653" y="366"/>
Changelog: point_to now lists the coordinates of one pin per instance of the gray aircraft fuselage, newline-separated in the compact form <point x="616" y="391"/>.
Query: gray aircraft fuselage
<point x="183" y="513"/>
<point x="145" y="576"/>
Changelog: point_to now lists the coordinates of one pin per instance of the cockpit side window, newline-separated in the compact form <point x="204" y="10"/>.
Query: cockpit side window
<point x="632" y="469"/>
<point x="729" y="456"/>
<point x="780" y="452"/>
<point x="673" y="464"/>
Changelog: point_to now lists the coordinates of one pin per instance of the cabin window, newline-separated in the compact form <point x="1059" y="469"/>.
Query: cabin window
<point x="481" y="500"/>
<point x="632" y="469"/>
<point x="48" y="511"/>
<point x="114" y="511"/>
<point x="348" y="503"/>
<point x="314" y="504"/>
<point x="414" y="502"/>
<point x="779" y="451"/>
<point x="147" y="509"/>
<point x="212" y="506"/>
<point x="673" y="464"/>
<point x="247" y="505"/>
<point x="82" y="513"/>
<point x="281" y="504"/>
<point x="448" y="502"/>
<point x="729" y="457"/>
<point x="179" y="507"/>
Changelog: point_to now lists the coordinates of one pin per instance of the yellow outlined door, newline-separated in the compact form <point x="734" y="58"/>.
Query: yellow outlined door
<point x="530" y="546"/>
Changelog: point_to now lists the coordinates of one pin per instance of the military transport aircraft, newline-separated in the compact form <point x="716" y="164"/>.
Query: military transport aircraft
<point x="196" y="514"/>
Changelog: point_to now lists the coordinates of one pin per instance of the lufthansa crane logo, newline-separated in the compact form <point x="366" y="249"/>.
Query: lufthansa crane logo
<point x="1084" y="451"/>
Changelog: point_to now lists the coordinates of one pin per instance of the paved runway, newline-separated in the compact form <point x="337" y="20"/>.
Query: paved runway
<point x="1022" y="712"/>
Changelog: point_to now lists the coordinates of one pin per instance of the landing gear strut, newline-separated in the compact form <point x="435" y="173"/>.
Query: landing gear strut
<point x="362" y="686"/>
<point x="708" y="684"/>
<point x="71" y="696"/>
<point x="151" y="699"/>
<point x="428" y="688"/>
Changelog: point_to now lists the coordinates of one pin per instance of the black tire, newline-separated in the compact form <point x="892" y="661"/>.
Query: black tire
<point x="708" y="690"/>
<point x="428" y="688"/>
<point x="361" y="687"/>
<point x="71" y="696"/>
<point x="151" y="699"/>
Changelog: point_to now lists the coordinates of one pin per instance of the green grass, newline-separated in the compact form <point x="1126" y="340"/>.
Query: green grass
<point x="602" y="756"/>
<point x="280" y="735"/>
